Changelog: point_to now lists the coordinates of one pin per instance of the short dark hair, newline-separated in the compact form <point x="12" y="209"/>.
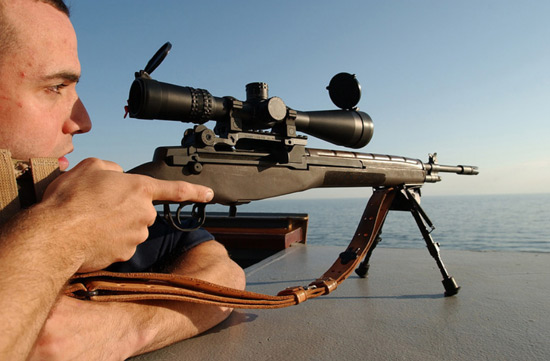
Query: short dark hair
<point x="58" y="4"/>
<point x="8" y="36"/>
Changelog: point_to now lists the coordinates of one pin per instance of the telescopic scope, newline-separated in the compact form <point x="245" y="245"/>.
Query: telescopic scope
<point x="151" y="99"/>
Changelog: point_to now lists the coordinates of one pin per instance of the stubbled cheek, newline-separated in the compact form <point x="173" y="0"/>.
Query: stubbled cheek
<point x="6" y="104"/>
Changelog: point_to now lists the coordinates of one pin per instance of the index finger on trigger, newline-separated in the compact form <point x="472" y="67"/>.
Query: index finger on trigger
<point x="180" y="191"/>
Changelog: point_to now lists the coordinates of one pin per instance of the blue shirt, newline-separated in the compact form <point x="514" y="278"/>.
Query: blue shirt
<point x="164" y="245"/>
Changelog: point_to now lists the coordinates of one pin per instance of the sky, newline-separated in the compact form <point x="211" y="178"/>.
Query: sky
<point x="466" y="79"/>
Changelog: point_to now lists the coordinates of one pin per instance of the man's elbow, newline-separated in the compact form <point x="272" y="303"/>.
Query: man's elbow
<point x="239" y="277"/>
<point x="233" y="275"/>
<point x="211" y="262"/>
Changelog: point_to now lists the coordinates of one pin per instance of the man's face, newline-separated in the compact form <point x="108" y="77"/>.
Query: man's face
<point x="39" y="108"/>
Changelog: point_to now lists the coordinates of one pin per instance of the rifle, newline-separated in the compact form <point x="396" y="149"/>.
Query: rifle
<point x="254" y="152"/>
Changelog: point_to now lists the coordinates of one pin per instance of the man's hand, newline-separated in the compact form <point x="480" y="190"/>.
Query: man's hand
<point x="102" y="213"/>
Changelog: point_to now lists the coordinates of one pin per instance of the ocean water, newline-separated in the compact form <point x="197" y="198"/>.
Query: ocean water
<point x="481" y="222"/>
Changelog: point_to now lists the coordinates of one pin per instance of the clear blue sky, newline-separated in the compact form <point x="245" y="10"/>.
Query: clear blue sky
<point x="466" y="79"/>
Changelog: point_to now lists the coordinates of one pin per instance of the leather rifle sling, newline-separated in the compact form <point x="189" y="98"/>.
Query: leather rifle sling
<point x="108" y="286"/>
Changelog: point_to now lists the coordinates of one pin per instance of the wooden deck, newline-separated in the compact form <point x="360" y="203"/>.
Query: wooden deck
<point x="502" y="311"/>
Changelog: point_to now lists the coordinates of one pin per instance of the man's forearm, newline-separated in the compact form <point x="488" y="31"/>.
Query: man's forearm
<point x="208" y="261"/>
<point x="33" y="272"/>
<point x="112" y="331"/>
<point x="120" y="330"/>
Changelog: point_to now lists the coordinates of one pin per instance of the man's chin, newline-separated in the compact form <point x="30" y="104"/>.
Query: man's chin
<point x="63" y="163"/>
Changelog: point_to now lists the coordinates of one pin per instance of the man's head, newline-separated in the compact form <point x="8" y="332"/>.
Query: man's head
<point x="39" y="107"/>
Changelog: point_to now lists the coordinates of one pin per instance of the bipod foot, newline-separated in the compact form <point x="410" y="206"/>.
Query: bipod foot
<point x="363" y="269"/>
<point x="451" y="287"/>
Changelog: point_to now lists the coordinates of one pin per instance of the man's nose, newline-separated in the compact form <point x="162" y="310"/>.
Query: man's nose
<point x="80" y="120"/>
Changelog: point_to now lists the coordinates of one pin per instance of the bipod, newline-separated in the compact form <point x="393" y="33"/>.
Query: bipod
<point x="407" y="199"/>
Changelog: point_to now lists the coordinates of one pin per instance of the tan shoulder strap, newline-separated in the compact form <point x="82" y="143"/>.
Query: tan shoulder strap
<point x="43" y="171"/>
<point x="9" y="195"/>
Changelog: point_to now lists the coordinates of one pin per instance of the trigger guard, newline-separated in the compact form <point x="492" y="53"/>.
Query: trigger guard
<point x="198" y="214"/>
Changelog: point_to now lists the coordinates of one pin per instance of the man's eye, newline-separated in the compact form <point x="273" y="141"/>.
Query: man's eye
<point x="56" y="88"/>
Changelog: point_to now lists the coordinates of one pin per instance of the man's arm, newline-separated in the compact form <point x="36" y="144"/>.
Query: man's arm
<point x="90" y="217"/>
<point x="32" y="272"/>
<point x="116" y="330"/>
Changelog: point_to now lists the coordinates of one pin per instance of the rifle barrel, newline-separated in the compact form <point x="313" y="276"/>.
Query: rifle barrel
<point x="458" y="169"/>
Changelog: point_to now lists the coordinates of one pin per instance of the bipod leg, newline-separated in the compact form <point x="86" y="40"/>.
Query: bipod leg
<point x="363" y="269"/>
<point x="423" y="222"/>
<point x="367" y="231"/>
